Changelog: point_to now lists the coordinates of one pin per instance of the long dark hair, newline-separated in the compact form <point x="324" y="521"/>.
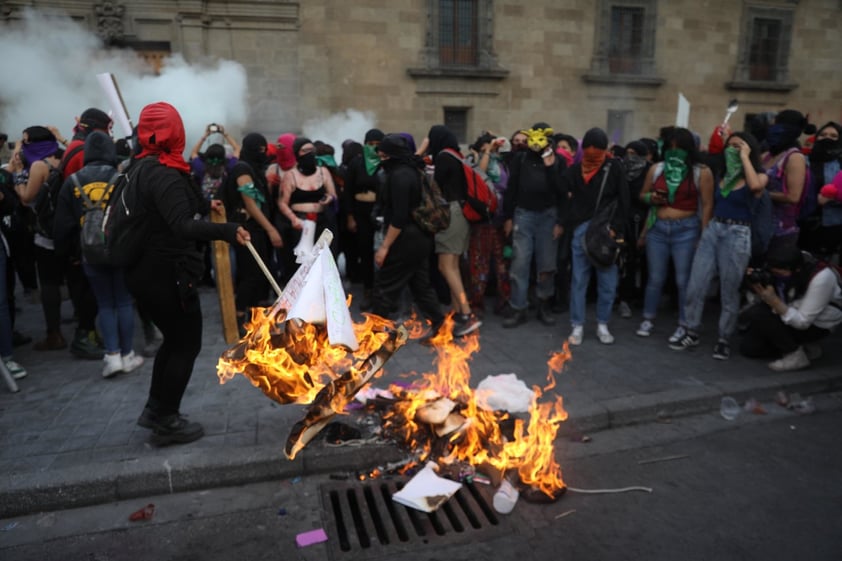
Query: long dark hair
<point x="682" y="138"/>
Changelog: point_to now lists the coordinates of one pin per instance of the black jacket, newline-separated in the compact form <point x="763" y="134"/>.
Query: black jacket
<point x="581" y="199"/>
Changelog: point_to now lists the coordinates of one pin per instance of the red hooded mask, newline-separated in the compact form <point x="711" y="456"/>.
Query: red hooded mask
<point x="285" y="155"/>
<point x="160" y="132"/>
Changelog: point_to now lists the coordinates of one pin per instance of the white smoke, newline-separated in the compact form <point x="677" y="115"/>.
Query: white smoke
<point x="52" y="67"/>
<point x="339" y="127"/>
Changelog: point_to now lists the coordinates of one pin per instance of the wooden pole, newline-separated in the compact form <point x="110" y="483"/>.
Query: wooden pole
<point x="224" y="282"/>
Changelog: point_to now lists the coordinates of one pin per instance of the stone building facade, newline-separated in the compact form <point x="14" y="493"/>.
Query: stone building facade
<point x="497" y="64"/>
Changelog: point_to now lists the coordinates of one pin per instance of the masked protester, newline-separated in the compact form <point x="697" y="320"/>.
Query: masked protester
<point x="821" y="233"/>
<point x="580" y="187"/>
<point x="724" y="249"/>
<point x="165" y="278"/>
<point x="681" y="204"/>
<point x="801" y="302"/>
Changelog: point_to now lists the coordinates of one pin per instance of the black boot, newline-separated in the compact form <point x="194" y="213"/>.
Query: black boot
<point x="518" y="317"/>
<point x="545" y="313"/>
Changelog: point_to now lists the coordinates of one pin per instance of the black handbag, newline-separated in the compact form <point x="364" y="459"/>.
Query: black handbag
<point x="601" y="248"/>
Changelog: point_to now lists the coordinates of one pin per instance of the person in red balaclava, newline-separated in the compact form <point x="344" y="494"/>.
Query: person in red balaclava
<point x="164" y="279"/>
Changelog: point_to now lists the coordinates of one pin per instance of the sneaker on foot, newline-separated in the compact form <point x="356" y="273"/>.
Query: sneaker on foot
<point x="679" y="334"/>
<point x="86" y="345"/>
<point x="688" y="341"/>
<point x="464" y="324"/>
<point x="131" y="362"/>
<point x="795" y="360"/>
<point x="175" y="429"/>
<point x="645" y="329"/>
<point x="625" y="309"/>
<point x="113" y="365"/>
<point x="16" y="370"/>
<point x="604" y="335"/>
<point x="721" y="351"/>
<point x="575" y="337"/>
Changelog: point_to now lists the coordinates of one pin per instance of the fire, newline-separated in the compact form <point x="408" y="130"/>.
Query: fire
<point x="291" y="361"/>
<point x="479" y="440"/>
<point x="438" y="417"/>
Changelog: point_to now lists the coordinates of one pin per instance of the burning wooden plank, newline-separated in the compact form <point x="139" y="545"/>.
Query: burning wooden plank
<point x="333" y="397"/>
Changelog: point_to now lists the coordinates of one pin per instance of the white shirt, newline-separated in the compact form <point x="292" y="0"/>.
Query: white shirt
<point x="814" y="308"/>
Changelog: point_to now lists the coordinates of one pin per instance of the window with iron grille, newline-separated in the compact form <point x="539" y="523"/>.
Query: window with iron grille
<point x="456" y="119"/>
<point x="458" y="33"/>
<point x="765" y="39"/>
<point x="458" y="41"/>
<point x="625" y="50"/>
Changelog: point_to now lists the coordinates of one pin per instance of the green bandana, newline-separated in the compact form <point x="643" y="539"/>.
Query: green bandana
<point x="326" y="160"/>
<point x="493" y="171"/>
<point x="372" y="160"/>
<point x="733" y="171"/>
<point x="675" y="170"/>
<point x="252" y="192"/>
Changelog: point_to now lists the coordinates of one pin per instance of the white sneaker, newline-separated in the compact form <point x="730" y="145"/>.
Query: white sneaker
<point x="576" y="335"/>
<point x="678" y="335"/>
<point x="625" y="310"/>
<point x="645" y="329"/>
<point x="132" y="362"/>
<point x="113" y="365"/>
<point x="795" y="360"/>
<point x="16" y="370"/>
<point x="604" y="335"/>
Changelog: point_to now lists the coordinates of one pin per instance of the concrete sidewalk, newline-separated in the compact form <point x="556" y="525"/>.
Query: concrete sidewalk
<point x="69" y="437"/>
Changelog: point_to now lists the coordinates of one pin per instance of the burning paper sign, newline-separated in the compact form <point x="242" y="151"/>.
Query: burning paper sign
<point x="426" y="491"/>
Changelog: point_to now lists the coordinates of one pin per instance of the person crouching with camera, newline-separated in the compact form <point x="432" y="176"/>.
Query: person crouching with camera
<point x="801" y="303"/>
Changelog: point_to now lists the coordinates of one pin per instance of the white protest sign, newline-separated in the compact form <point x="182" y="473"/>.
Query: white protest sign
<point x="115" y="99"/>
<point x="682" y="115"/>
<point x="315" y="294"/>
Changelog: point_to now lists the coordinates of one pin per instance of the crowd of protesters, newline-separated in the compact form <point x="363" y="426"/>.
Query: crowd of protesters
<point x="753" y="217"/>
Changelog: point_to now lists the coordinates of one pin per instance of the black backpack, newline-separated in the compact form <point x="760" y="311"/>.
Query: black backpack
<point x="124" y="225"/>
<point x="432" y="215"/>
<point x="45" y="201"/>
<point x="94" y="198"/>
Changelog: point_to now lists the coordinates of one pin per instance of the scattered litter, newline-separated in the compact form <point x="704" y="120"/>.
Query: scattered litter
<point x="370" y="393"/>
<point x="282" y="511"/>
<point x="664" y="459"/>
<point x="782" y="399"/>
<point x="805" y="407"/>
<point x="47" y="521"/>
<point x="143" y="514"/>
<point x="309" y="538"/>
<point x="426" y="491"/>
<point x="504" y="392"/>
<point x="728" y="408"/>
<point x="563" y="514"/>
<point x="753" y="406"/>
<point x="296" y="480"/>
<point x="580" y="438"/>
<point x="479" y="478"/>
<point x="506" y="497"/>
<point x="9" y="526"/>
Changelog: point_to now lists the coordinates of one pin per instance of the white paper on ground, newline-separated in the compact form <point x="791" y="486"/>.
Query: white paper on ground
<point x="504" y="392"/>
<point x="426" y="491"/>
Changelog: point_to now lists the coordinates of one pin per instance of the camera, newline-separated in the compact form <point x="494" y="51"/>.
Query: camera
<point x="762" y="277"/>
<point x="213" y="127"/>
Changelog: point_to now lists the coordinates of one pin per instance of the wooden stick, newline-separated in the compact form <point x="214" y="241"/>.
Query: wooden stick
<point x="225" y="282"/>
<point x="265" y="269"/>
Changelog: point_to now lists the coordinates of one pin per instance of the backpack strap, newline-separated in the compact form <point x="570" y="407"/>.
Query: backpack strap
<point x="602" y="187"/>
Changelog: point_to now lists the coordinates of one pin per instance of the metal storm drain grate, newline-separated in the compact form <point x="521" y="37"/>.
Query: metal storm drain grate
<point x="362" y="519"/>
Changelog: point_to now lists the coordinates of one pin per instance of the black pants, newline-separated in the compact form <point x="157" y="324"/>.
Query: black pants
<point x="251" y="287"/>
<point x="769" y="337"/>
<point x="364" y="239"/>
<point x="82" y="295"/>
<point x="51" y="271"/>
<point x="175" y="310"/>
<point x="407" y="265"/>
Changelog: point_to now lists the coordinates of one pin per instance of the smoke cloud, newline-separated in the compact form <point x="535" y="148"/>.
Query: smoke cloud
<point x="338" y="127"/>
<point x="52" y="65"/>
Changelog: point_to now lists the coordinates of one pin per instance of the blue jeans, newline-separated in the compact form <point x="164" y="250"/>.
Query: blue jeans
<point x="724" y="249"/>
<point x="669" y="238"/>
<point x="533" y="236"/>
<point x="5" y="315"/>
<point x="606" y="282"/>
<point x="116" y="311"/>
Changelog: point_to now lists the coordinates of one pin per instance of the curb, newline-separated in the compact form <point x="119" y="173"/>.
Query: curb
<point x="118" y="480"/>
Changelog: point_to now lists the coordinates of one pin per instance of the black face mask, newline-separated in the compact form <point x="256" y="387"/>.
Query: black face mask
<point x="307" y="163"/>
<point x="826" y="149"/>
